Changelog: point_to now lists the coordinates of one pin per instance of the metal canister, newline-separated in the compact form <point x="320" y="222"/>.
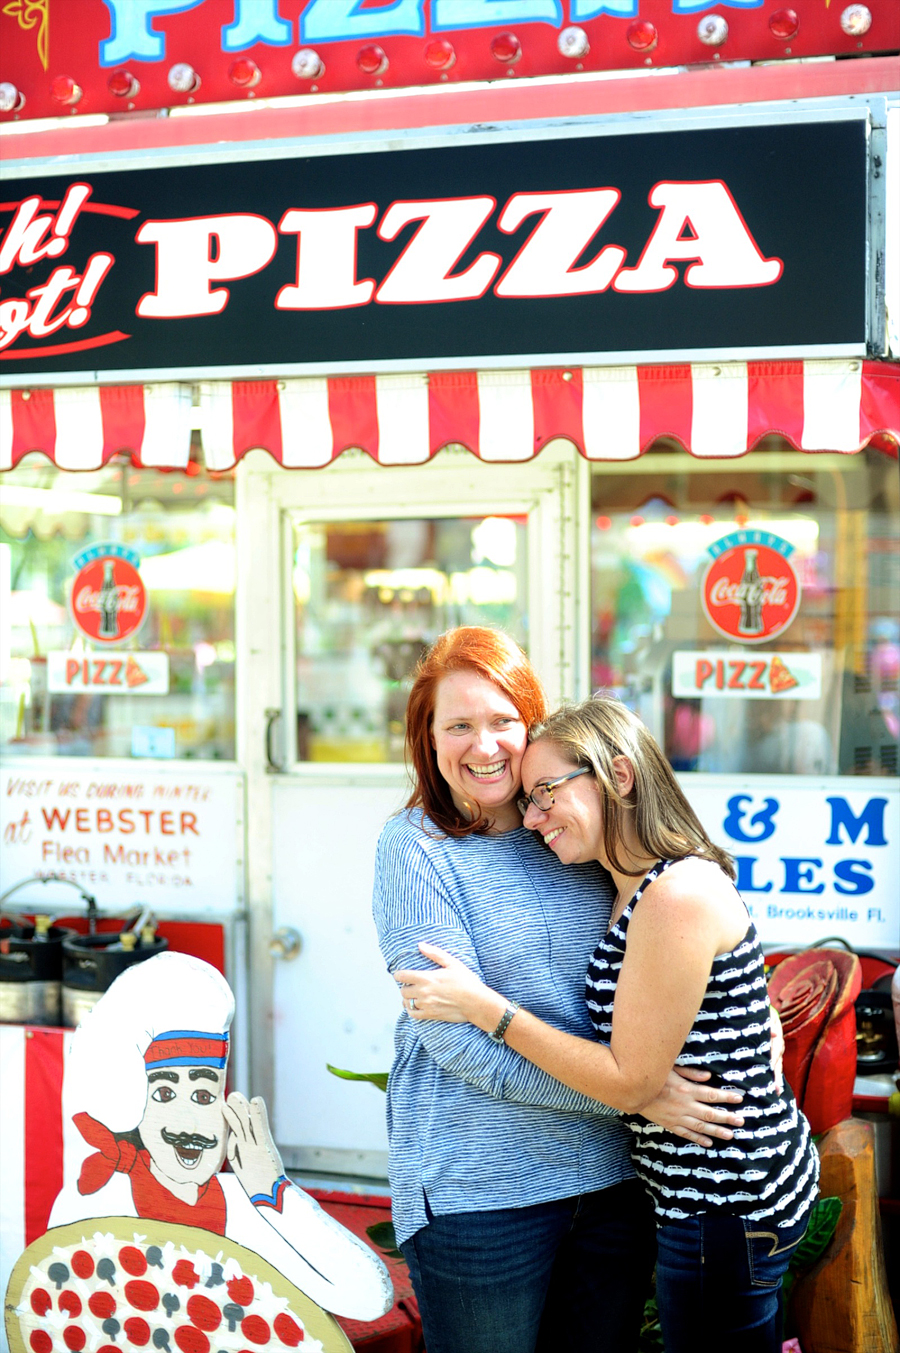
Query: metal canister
<point x="31" y="963"/>
<point x="91" y="963"/>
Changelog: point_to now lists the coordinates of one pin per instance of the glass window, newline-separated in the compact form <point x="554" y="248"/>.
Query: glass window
<point x="370" y="597"/>
<point x="820" y="696"/>
<point x="166" y="687"/>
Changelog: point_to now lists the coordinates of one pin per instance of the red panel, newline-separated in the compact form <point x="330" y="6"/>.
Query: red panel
<point x="43" y="1127"/>
<point x="775" y="391"/>
<point x="200" y="939"/>
<point x="122" y="409"/>
<point x="667" y="403"/>
<point x="34" y="423"/>
<point x="453" y="409"/>
<point x="353" y="413"/>
<point x="880" y="405"/>
<point x="557" y="406"/>
<point x="257" y="419"/>
<point x="65" y="40"/>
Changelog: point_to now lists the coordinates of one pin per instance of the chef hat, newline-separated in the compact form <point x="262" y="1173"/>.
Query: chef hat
<point x="166" y="1010"/>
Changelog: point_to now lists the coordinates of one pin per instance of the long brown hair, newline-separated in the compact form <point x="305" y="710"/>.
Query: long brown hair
<point x="593" y="734"/>
<point x="491" y="654"/>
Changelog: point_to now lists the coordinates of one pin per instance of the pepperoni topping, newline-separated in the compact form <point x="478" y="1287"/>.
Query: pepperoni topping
<point x="101" y="1304"/>
<point x="191" y="1340"/>
<point x="70" y="1302"/>
<point x="82" y="1264"/>
<point x="132" y="1261"/>
<point x="40" y="1341"/>
<point x="143" y="1296"/>
<point x="241" y="1291"/>
<point x="255" y="1329"/>
<point x="108" y="1348"/>
<point x="41" y="1301"/>
<point x="74" y="1337"/>
<point x="137" y="1331"/>
<point x="203" y="1312"/>
<point x="184" y="1274"/>
<point x="288" y="1331"/>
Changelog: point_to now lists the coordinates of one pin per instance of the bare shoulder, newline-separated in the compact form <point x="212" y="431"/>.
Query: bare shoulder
<point x="697" y="890"/>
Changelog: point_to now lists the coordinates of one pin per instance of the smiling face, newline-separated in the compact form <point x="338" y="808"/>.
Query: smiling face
<point x="183" y="1127"/>
<point x="479" y="737"/>
<point x="573" y="826"/>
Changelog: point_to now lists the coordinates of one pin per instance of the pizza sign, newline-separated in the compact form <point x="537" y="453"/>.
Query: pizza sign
<point x="109" y="600"/>
<point x="750" y="590"/>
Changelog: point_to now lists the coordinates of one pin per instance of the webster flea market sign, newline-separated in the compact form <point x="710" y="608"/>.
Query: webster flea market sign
<point x="739" y="240"/>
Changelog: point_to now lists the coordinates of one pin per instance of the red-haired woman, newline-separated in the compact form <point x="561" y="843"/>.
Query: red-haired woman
<point x="514" y="1198"/>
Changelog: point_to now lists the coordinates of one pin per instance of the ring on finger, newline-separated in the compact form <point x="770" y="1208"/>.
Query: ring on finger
<point x="412" y="1002"/>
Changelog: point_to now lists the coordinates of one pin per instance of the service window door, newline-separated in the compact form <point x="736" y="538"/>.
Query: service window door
<point x="347" y="575"/>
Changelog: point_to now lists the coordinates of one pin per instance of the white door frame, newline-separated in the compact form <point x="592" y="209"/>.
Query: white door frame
<point x="553" y="490"/>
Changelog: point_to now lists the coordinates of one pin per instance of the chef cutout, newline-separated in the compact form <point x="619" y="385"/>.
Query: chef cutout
<point x="152" y="1244"/>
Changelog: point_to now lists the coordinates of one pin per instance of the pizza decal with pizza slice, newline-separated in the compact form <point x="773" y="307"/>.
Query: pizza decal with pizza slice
<point x="117" y="1282"/>
<point x="781" y="678"/>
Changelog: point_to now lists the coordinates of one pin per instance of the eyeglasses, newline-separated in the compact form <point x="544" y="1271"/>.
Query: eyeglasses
<point x="542" y="795"/>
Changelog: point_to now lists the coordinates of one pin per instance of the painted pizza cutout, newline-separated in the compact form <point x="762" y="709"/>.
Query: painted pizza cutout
<point x="106" y="1286"/>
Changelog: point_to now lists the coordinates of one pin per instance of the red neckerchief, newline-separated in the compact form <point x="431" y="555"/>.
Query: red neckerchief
<point x="151" y="1198"/>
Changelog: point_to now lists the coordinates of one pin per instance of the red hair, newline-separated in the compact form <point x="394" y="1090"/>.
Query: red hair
<point x="490" y="654"/>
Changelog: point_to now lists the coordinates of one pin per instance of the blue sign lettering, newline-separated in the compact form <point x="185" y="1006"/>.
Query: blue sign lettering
<point x="799" y="871"/>
<point x="872" y="815"/>
<point x="762" y="819"/>
<point x="745" y="882"/>
<point x="589" y="9"/>
<point x="691" y="6"/>
<point x="486" y="13"/>
<point x="848" y="871"/>
<point x="343" y="20"/>
<point x="255" y="21"/>
<point x="130" y="36"/>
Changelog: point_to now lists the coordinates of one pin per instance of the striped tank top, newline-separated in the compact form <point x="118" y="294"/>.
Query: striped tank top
<point x="770" y="1168"/>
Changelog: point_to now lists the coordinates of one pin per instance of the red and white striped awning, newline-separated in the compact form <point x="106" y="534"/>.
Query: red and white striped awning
<point x="610" y="413"/>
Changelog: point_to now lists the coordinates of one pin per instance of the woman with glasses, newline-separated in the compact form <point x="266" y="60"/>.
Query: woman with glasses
<point x="514" y="1198"/>
<point x="678" y="976"/>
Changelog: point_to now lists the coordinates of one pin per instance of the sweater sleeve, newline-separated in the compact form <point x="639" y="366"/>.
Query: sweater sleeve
<point x="412" y="903"/>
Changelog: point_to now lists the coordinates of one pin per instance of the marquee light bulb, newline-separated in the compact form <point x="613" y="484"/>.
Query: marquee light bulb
<point x="856" y="20"/>
<point x="11" y="99"/>
<point x="372" y="60"/>
<point x="712" y="30"/>
<point x="64" y="90"/>
<point x="440" y="54"/>
<point x="123" y="84"/>
<point x="182" y="78"/>
<point x="642" y="35"/>
<point x="244" y="73"/>
<point x="307" y="64"/>
<point x="573" y="43"/>
<point x="784" y="23"/>
<point x="506" y="48"/>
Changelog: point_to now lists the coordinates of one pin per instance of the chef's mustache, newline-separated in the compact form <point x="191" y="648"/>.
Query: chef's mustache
<point x="191" y="1140"/>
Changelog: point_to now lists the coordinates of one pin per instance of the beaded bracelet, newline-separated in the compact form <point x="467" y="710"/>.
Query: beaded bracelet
<point x="505" y="1020"/>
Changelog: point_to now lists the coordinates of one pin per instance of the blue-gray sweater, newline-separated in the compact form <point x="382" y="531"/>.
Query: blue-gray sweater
<point x="471" y="1124"/>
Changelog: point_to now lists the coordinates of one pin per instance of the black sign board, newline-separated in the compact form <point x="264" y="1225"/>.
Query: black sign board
<point x="725" y="241"/>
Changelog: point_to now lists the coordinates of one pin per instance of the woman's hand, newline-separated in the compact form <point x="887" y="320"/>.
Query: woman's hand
<point x="449" y="992"/>
<point x="689" y="1110"/>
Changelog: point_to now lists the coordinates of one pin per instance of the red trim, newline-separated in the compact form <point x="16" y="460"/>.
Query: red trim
<point x="122" y="411"/>
<point x="43" y="1127"/>
<point x="98" y="208"/>
<point x="557" y="406"/>
<point x="201" y="1048"/>
<point x="453" y="413"/>
<point x="775" y="400"/>
<point x="667" y="403"/>
<point x="34" y="423"/>
<point x="489" y="102"/>
<point x="354" y="414"/>
<point x="257" y="418"/>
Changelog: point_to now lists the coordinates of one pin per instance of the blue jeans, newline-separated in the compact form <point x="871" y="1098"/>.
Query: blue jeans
<point x="570" y="1275"/>
<point x="718" y="1283"/>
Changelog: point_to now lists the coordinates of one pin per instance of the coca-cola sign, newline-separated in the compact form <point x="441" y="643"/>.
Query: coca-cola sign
<point x="109" y="600"/>
<point x="750" y="590"/>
